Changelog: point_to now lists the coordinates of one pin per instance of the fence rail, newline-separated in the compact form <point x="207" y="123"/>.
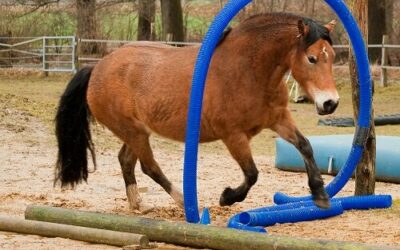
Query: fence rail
<point x="49" y="53"/>
<point x="60" y="54"/>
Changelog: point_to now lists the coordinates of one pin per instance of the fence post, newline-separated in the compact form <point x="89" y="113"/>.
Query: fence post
<point x="46" y="73"/>
<point x="76" y="54"/>
<point x="10" y="59"/>
<point x="384" y="61"/>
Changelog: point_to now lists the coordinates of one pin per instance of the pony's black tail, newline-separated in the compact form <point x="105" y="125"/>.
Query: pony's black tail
<point x="73" y="132"/>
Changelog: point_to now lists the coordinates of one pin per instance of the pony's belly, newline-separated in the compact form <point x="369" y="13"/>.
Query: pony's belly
<point x="177" y="132"/>
<point x="173" y="133"/>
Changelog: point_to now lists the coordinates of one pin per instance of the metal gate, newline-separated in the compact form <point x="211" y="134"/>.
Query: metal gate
<point x="48" y="53"/>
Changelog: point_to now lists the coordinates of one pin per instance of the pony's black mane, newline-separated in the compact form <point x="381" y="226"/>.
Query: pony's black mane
<point x="316" y="30"/>
<point x="224" y="35"/>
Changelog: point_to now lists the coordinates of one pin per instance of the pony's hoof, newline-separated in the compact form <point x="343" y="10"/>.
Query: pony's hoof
<point x="143" y="209"/>
<point x="134" y="207"/>
<point x="227" y="197"/>
<point x="322" y="200"/>
<point x="324" y="204"/>
<point x="177" y="196"/>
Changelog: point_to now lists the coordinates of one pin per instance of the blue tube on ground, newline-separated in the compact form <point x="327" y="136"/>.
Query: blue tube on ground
<point x="234" y="223"/>
<point x="286" y="206"/>
<point x="205" y="217"/>
<point x="234" y="220"/>
<point x="304" y="211"/>
<point x="365" y="202"/>
<point x="210" y="41"/>
<point x="289" y="216"/>
<point x="350" y="202"/>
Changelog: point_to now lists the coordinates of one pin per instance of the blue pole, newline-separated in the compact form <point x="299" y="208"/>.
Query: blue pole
<point x="210" y="41"/>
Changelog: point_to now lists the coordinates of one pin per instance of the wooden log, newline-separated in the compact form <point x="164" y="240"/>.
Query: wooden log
<point x="47" y="229"/>
<point x="193" y="235"/>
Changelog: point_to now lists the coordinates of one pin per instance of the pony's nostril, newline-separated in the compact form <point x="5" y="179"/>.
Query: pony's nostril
<point x="330" y="106"/>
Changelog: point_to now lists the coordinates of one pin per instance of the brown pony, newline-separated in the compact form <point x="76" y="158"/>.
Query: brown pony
<point x="144" y="87"/>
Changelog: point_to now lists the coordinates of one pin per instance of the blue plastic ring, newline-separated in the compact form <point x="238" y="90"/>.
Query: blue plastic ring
<point x="210" y="41"/>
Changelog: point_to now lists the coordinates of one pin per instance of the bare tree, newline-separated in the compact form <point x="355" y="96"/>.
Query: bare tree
<point x="147" y="10"/>
<point x="284" y="5"/>
<point x="365" y="173"/>
<point x="389" y="11"/>
<point x="377" y="26"/>
<point x="172" y="20"/>
<point x="271" y="5"/>
<point x="306" y="6"/>
<point x="33" y="5"/>
<point x="87" y="26"/>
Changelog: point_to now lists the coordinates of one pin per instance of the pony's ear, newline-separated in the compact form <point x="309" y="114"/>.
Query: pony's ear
<point x="331" y="25"/>
<point x="303" y="28"/>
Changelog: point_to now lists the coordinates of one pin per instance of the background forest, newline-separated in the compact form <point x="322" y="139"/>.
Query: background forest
<point x="172" y="20"/>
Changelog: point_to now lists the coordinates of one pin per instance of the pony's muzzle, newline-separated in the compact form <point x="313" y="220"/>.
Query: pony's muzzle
<point x="328" y="107"/>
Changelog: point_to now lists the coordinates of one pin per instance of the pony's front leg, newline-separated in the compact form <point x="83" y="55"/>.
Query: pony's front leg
<point x="239" y="147"/>
<point x="287" y="129"/>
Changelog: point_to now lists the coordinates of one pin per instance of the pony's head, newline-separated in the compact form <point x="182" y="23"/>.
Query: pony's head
<point x="311" y="64"/>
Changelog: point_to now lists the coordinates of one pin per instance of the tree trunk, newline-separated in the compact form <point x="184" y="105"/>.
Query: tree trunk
<point x="271" y="5"/>
<point x="147" y="11"/>
<point x="312" y="8"/>
<point x="377" y="27"/>
<point x="365" y="173"/>
<point x="87" y="26"/>
<point x="394" y="56"/>
<point x="284" y="5"/>
<point x="172" y="20"/>
<point x="389" y="9"/>
<point x="305" y="6"/>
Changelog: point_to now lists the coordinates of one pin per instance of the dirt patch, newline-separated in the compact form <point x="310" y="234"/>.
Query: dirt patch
<point x="28" y="153"/>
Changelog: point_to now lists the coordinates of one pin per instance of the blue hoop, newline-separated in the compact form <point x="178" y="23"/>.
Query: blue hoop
<point x="210" y="41"/>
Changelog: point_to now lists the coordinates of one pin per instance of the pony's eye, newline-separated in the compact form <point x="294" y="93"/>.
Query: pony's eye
<point x="312" y="59"/>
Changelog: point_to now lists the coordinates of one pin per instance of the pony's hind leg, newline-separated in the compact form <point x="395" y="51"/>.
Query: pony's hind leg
<point x="127" y="160"/>
<point x="287" y="129"/>
<point x="141" y="147"/>
<point x="239" y="148"/>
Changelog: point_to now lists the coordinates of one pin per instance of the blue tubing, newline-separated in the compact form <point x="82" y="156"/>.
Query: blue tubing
<point x="210" y="41"/>
<point x="195" y="106"/>
<point x="351" y="202"/>
<point x="205" y="217"/>
<point x="304" y="211"/>
<point x="289" y="216"/>
<point x="364" y="76"/>
<point x="365" y="202"/>
<point x="234" y="223"/>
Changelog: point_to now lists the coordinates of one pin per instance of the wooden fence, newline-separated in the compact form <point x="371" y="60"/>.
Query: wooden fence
<point x="104" y="47"/>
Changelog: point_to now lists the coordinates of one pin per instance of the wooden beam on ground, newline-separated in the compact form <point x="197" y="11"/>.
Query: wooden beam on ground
<point x="47" y="229"/>
<point x="193" y="235"/>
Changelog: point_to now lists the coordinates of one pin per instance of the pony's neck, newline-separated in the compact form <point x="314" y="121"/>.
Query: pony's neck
<point x="268" y="55"/>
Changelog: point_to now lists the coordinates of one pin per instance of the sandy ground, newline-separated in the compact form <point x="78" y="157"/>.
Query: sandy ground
<point x="27" y="157"/>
